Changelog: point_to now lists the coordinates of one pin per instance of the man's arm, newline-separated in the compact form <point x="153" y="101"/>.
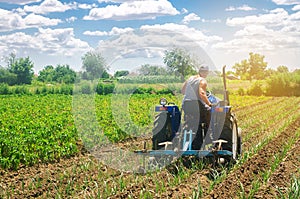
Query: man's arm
<point x="202" y="92"/>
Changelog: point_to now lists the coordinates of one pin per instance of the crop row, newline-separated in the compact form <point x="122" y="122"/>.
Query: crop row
<point x="42" y="127"/>
<point x="89" y="179"/>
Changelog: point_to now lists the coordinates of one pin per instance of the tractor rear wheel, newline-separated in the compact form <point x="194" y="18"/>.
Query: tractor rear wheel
<point x="236" y="141"/>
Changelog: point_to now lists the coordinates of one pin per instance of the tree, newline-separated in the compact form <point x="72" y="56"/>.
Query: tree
<point x="121" y="73"/>
<point x="7" y="77"/>
<point x="282" y="69"/>
<point x="47" y="74"/>
<point x="94" y="65"/>
<point x="241" y="69"/>
<point x="23" y="68"/>
<point x="178" y="60"/>
<point x="253" y="68"/>
<point x="64" y="74"/>
<point x="60" y="74"/>
<point x="148" y="69"/>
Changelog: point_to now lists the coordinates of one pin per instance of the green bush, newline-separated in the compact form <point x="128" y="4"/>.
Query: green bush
<point x="241" y="91"/>
<point x="4" y="89"/>
<point x="66" y="89"/>
<point x="165" y="91"/>
<point x="105" y="88"/>
<point x="86" y="88"/>
<point x="256" y="89"/>
<point x="284" y="84"/>
<point x="21" y="90"/>
<point x="159" y="79"/>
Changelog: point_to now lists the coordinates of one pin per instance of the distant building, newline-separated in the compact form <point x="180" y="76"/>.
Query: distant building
<point x="232" y="77"/>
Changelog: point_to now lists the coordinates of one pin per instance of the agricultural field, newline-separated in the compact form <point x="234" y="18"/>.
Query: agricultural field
<point x="42" y="154"/>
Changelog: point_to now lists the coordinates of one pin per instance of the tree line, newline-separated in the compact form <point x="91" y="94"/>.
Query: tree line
<point x="19" y="71"/>
<point x="177" y="61"/>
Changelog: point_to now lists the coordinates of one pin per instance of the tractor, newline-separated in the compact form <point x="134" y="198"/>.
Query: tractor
<point x="220" y="141"/>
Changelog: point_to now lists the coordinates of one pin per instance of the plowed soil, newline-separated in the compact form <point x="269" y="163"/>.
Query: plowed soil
<point x="82" y="176"/>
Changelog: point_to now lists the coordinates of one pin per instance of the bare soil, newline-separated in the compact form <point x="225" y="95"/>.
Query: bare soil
<point x="82" y="176"/>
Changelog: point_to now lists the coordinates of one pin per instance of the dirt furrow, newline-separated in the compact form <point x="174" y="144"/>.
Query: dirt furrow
<point x="264" y="130"/>
<point x="254" y="108"/>
<point x="248" y="172"/>
<point x="280" y="180"/>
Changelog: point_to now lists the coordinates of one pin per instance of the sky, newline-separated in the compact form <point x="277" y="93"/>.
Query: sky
<point x="129" y="33"/>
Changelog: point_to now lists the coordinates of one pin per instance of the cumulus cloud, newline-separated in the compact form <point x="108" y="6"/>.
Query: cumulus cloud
<point x="275" y="17"/>
<point x="20" y="2"/>
<point x="115" y="1"/>
<point x="296" y="8"/>
<point x="243" y="8"/>
<point x="48" y="6"/>
<point x="10" y="20"/>
<point x="151" y="41"/>
<point x="147" y="9"/>
<point x="157" y="36"/>
<point x="191" y="33"/>
<point x="114" y="31"/>
<point x="191" y="17"/>
<point x="273" y="31"/>
<point x="49" y="41"/>
<point x="286" y="2"/>
<point x="71" y="19"/>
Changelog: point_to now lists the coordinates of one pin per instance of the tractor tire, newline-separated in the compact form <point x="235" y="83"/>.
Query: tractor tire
<point x="239" y="150"/>
<point x="235" y="141"/>
<point x="161" y="131"/>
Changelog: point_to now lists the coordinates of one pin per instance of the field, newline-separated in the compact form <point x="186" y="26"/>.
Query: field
<point x="42" y="154"/>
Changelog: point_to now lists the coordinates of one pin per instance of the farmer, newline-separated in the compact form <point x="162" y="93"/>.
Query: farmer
<point x="196" y="106"/>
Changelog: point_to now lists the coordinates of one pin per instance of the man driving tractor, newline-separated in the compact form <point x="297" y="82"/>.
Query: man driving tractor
<point x="196" y="105"/>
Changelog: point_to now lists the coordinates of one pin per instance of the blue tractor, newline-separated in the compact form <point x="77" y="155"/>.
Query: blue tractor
<point x="171" y="137"/>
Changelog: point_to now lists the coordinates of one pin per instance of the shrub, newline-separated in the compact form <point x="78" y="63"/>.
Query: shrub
<point x="86" y="88"/>
<point x="4" y="89"/>
<point x="241" y="91"/>
<point x="105" y="88"/>
<point x="256" y="89"/>
<point x="165" y="91"/>
<point x="284" y="84"/>
<point x="66" y="89"/>
<point x="21" y="90"/>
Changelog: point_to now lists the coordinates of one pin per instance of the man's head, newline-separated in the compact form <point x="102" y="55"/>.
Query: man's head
<point x="203" y="71"/>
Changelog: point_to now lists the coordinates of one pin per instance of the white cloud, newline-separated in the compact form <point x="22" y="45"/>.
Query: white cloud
<point x="114" y="31"/>
<point x="14" y="21"/>
<point x="115" y="1"/>
<point x="48" y="6"/>
<point x="33" y="20"/>
<point x="20" y="2"/>
<point x="271" y="32"/>
<point x="184" y="11"/>
<point x="147" y="9"/>
<point x="275" y="17"/>
<point x="243" y="8"/>
<point x="296" y="8"/>
<point x="191" y="17"/>
<point x="211" y="20"/>
<point x="49" y="41"/>
<point x="148" y="44"/>
<point x="71" y="19"/>
<point x="86" y="6"/>
<point x="195" y="35"/>
<point x="286" y="2"/>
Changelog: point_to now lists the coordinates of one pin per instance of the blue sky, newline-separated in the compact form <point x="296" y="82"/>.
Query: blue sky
<point x="131" y="32"/>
